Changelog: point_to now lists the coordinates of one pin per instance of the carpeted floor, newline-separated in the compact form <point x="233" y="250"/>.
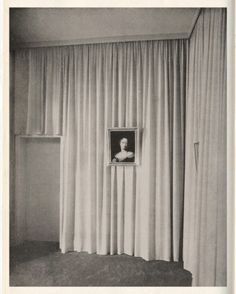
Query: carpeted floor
<point x="42" y="264"/>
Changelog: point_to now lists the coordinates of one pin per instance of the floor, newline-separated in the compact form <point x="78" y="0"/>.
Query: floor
<point x="42" y="264"/>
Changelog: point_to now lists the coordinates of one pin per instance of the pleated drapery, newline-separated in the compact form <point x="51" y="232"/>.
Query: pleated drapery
<point x="205" y="169"/>
<point x="79" y="92"/>
<point x="47" y="73"/>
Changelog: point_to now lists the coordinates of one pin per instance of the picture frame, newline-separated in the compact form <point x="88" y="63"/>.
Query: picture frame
<point x="123" y="146"/>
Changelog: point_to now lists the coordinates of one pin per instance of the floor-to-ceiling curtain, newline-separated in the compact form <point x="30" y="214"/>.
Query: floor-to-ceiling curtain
<point x="205" y="171"/>
<point x="79" y="92"/>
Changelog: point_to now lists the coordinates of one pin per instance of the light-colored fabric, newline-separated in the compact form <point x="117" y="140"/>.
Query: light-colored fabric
<point x="205" y="179"/>
<point x="20" y="80"/>
<point x="104" y="209"/>
<point x="46" y="73"/>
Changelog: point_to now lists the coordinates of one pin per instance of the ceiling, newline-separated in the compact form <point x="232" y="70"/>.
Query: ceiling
<point x="30" y="27"/>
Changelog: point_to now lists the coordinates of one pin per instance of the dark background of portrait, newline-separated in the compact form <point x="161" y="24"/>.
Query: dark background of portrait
<point x="115" y="138"/>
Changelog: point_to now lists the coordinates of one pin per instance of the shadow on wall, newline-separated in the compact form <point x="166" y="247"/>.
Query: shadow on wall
<point x="31" y="250"/>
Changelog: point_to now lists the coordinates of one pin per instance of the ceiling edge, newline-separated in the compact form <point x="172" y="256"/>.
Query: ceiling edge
<point x="15" y="46"/>
<point x="194" y="21"/>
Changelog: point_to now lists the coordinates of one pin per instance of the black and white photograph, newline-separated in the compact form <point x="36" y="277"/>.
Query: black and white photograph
<point x="123" y="146"/>
<point x="117" y="146"/>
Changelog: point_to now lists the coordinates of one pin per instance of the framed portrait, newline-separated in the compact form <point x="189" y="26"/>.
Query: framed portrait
<point x="123" y="146"/>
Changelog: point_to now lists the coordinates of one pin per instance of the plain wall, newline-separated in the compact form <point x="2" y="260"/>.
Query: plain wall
<point x="42" y="169"/>
<point x="37" y="189"/>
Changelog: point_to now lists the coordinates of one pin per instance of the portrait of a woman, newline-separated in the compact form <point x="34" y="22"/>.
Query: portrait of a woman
<point x="124" y="155"/>
<point x="123" y="146"/>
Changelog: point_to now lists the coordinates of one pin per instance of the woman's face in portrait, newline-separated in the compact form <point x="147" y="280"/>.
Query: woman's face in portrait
<point x="123" y="143"/>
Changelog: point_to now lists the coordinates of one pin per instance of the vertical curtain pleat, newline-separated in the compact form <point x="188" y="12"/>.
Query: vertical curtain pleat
<point x="45" y="92"/>
<point x="79" y="92"/>
<point x="205" y="180"/>
<point x="21" y="80"/>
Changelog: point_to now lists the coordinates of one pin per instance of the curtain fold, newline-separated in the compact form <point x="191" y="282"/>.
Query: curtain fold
<point x="205" y="178"/>
<point x="79" y="92"/>
<point x="44" y="92"/>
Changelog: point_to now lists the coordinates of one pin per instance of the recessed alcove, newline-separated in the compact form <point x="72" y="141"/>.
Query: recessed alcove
<point x="160" y="70"/>
<point x="37" y="188"/>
